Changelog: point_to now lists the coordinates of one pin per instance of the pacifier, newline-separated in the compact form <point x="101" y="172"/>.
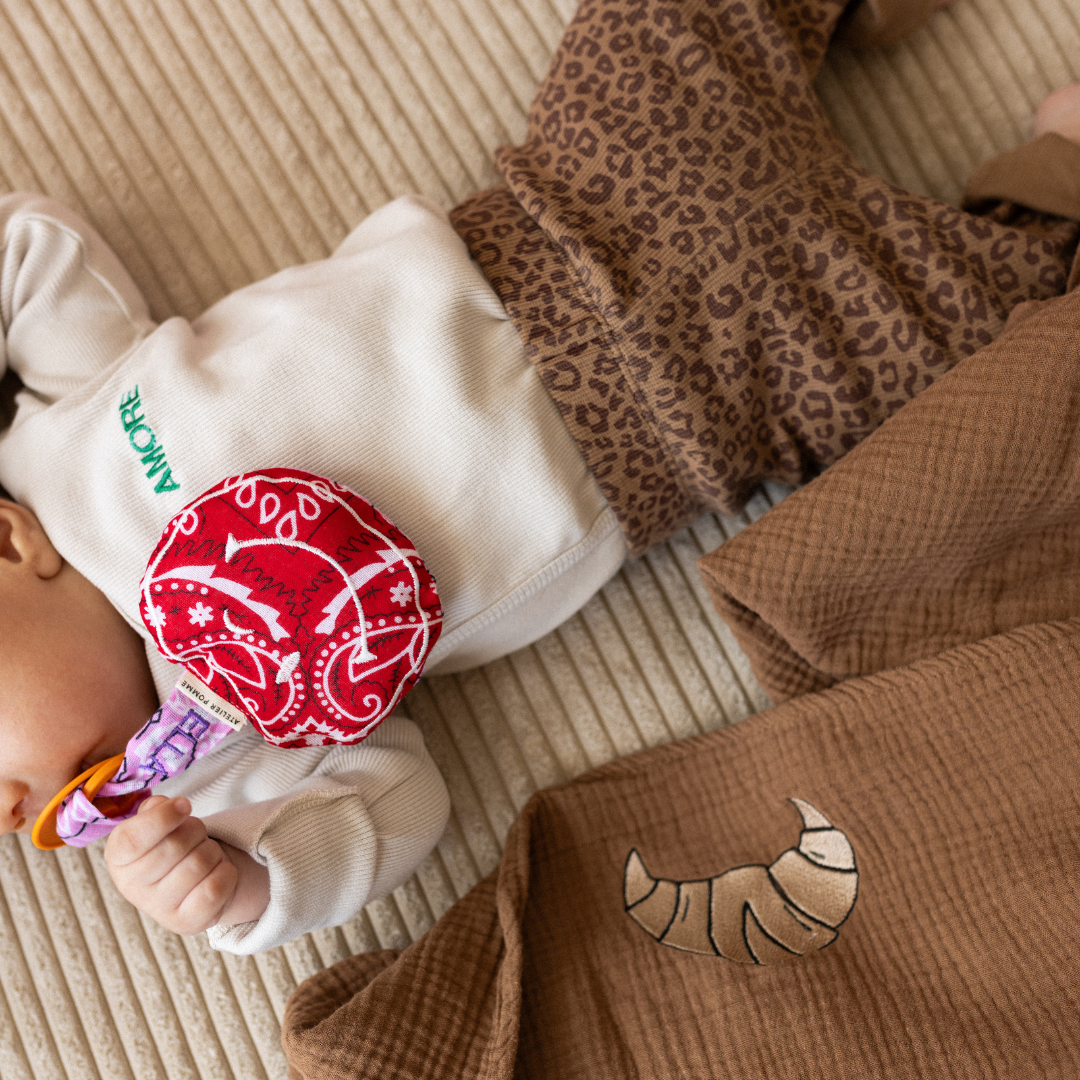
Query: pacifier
<point x="291" y="603"/>
<point x="192" y="721"/>
<point x="44" y="831"/>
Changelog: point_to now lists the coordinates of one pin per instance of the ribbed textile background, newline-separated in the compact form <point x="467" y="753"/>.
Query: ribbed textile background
<point x="216" y="142"/>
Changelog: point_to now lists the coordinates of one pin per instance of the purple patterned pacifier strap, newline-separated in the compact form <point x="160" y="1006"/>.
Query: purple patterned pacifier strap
<point x="192" y="722"/>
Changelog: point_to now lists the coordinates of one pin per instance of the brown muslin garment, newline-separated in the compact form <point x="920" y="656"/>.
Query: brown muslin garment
<point x="911" y="912"/>
<point x="953" y="778"/>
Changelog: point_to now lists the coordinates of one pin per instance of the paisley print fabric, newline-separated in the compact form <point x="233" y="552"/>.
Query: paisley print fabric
<point x="713" y="291"/>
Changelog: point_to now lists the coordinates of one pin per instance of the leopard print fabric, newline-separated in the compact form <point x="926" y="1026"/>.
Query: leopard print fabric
<point x="713" y="291"/>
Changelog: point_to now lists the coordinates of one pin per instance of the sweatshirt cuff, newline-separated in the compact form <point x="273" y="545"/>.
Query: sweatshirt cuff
<point x="322" y="852"/>
<point x="874" y="24"/>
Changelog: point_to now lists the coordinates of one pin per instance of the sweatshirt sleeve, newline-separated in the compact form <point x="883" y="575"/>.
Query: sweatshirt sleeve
<point x="347" y="824"/>
<point x="68" y="308"/>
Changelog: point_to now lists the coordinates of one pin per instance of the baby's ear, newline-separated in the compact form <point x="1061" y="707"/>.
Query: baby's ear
<point x="23" y="543"/>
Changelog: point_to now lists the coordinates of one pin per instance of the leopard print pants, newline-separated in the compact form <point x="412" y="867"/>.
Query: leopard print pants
<point x="713" y="291"/>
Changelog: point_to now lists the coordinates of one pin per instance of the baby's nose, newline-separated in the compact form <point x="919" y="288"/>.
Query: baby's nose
<point x="12" y="799"/>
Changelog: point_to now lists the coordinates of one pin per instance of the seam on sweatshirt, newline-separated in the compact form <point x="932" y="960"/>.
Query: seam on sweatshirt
<point x="605" y="524"/>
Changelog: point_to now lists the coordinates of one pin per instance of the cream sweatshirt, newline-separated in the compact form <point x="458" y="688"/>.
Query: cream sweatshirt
<point x="390" y="367"/>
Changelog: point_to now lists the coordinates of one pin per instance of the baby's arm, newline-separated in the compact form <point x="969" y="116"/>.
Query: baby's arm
<point x="68" y="308"/>
<point x="331" y="828"/>
<point x="163" y="862"/>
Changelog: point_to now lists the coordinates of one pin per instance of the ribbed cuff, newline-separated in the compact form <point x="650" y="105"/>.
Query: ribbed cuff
<point x="1043" y="174"/>
<point x="321" y="850"/>
<point x="876" y="23"/>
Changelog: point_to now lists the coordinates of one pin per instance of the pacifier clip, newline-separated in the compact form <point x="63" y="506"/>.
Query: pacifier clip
<point x="192" y="722"/>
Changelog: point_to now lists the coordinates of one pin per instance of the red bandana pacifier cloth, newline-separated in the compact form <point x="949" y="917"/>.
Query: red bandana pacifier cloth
<point x="291" y="602"/>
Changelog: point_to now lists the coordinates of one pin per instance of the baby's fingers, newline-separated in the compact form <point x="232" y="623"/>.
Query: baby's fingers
<point x="157" y="818"/>
<point x="205" y="901"/>
<point x="193" y="874"/>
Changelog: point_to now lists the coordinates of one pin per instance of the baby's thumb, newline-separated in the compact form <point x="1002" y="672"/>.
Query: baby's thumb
<point x="182" y="805"/>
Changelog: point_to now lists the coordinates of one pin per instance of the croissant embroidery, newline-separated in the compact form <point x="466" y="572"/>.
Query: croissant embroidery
<point x="753" y="914"/>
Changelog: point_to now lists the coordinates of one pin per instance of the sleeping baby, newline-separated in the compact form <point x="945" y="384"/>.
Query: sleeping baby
<point x="684" y="286"/>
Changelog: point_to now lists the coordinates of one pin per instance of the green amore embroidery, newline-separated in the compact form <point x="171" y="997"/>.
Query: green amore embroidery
<point x="144" y="442"/>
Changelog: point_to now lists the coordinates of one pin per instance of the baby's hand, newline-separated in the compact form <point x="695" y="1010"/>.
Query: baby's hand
<point x="163" y="862"/>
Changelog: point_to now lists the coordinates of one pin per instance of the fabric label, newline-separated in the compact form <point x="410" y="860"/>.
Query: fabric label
<point x="213" y="703"/>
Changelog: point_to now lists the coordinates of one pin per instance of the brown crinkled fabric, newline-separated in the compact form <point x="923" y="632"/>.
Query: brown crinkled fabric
<point x="953" y="847"/>
<point x="713" y="291"/>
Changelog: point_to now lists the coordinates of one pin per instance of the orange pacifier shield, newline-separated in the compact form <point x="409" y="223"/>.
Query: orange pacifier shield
<point x="92" y="781"/>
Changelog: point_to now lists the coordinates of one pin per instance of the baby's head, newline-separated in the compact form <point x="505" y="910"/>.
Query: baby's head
<point x="74" y="680"/>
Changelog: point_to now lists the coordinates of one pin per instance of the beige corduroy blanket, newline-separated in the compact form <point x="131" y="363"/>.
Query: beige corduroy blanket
<point x="214" y="143"/>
